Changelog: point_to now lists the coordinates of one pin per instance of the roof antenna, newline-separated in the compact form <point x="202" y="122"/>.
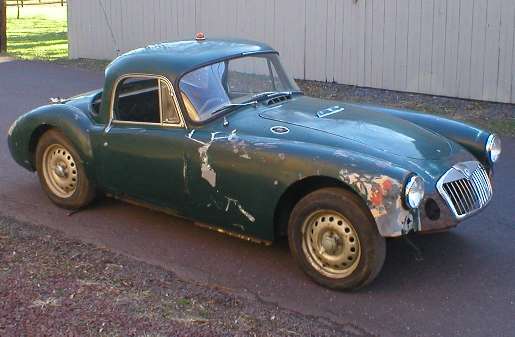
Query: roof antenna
<point x="110" y="28"/>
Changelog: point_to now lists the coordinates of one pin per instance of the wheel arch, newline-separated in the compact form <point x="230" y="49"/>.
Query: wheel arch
<point x="71" y="122"/>
<point x="34" y="140"/>
<point x="296" y="191"/>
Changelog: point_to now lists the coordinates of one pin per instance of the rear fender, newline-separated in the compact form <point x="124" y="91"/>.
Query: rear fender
<point x="69" y="120"/>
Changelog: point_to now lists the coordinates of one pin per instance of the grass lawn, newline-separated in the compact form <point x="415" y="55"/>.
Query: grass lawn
<point x="39" y="33"/>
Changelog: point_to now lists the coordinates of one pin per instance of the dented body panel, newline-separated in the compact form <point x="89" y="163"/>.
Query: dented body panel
<point x="233" y="171"/>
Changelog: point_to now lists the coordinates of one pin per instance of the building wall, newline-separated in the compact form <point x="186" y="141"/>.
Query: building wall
<point x="461" y="48"/>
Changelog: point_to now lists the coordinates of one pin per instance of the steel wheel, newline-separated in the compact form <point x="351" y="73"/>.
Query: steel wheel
<point x="331" y="244"/>
<point x="60" y="171"/>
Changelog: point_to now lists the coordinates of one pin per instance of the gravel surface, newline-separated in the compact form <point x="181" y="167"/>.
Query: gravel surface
<point x="54" y="286"/>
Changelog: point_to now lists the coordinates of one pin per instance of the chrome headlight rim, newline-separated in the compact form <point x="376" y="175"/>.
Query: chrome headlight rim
<point x="493" y="148"/>
<point x="414" y="191"/>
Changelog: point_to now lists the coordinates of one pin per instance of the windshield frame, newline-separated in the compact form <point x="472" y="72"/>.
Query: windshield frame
<point x="283" y="74"/>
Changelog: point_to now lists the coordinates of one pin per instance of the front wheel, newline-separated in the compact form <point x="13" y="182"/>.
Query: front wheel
<point x="335" y="240"/>
<point x="61" y="172"/>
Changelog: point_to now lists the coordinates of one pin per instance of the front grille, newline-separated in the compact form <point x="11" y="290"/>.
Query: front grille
<point x="466" y="188"/>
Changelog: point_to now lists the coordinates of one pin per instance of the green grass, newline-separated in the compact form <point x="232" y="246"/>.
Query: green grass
<point x="40" y="33"/>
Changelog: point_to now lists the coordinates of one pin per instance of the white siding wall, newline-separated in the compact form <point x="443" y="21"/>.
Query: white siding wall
<point x="462" y="48"/>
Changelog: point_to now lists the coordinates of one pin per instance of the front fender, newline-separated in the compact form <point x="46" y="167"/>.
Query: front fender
<point x="468" y="136"/>
<point x="69" y="120"/>
<point x="379" y="183"/>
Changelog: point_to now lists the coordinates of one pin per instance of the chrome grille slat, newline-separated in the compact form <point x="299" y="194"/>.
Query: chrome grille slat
<point x="451" y="194"/>
<point x="482" y="186"/>
<point x="477" y="188"/>
<point x="462" y="197"/>
<point x="487" y="181"/>
<point x="457" y="197"/>
<point x="466" y="188"/>
<point x="468" y="195"/>
<point x="473" y="193"/>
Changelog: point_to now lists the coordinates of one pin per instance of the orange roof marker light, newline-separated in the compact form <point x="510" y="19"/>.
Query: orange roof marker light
<point x="200" y="36"/>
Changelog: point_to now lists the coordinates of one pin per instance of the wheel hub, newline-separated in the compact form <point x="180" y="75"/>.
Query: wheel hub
<point x="60" y="171"/>
<point x="331" y="243"/>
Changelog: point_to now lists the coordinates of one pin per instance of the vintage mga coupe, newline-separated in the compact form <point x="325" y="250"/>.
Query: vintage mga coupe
<point x="217" y="132"/>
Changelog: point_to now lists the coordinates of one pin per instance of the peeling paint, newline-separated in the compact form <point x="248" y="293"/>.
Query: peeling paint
<point x="239" y="226"/>
<point x="185" y="175"/>
<point x="231" y="201"/>
<point x="268" y="145"/>
<point x="383" y="196"/>
<point x="239" y="146"/>
<point x="12" y="127"/>
<point x="341" y="153"/>
<point x="207" y="172"/>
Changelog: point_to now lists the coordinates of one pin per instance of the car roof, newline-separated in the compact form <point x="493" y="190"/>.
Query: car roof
<point x="173" y="59"/>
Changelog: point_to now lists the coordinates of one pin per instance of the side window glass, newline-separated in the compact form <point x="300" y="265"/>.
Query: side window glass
<point x="170" y="115"/>
<point x="137" y="100"/>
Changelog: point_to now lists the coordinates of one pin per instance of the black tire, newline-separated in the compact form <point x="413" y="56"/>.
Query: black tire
<point x="351" y="207"/>
<point x="84" y="191"/>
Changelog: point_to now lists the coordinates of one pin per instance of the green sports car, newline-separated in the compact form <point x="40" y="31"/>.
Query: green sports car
<point x="217" y="132"/>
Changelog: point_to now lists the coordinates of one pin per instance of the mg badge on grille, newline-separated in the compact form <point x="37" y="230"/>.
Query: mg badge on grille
<point x="464" y="170"/>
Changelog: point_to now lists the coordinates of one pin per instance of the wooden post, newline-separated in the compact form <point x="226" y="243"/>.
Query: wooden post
<point x="3" y="26"/>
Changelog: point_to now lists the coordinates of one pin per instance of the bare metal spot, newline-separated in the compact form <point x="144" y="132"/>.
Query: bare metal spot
<point x="231" y="201"/>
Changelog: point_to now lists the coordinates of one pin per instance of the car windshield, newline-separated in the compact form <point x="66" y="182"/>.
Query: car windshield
<point x="232" y="83"/>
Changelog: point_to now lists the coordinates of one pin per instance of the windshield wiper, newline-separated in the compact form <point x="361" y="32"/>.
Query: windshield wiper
<point x="269" y="94"/>
<point x="232" y="106"/>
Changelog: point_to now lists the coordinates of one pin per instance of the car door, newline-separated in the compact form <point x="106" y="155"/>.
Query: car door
<point x="142" y="152"/>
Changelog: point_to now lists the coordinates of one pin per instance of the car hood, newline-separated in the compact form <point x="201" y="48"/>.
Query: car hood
<point x="367" y="127"/>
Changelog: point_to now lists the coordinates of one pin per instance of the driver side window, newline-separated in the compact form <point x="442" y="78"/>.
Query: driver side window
<point x="146" y="100"/>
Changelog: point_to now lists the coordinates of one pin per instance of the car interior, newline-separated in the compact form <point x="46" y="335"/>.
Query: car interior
<point x="137" y="100"/>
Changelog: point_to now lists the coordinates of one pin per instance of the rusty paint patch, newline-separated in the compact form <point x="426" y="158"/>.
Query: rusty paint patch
<point x="384" y="198"/>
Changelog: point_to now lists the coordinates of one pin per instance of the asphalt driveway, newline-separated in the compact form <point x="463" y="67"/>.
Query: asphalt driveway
<point x="464" y="285"/>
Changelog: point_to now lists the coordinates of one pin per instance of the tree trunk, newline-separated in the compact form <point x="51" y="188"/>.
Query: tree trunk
<point x="3" y="26"/>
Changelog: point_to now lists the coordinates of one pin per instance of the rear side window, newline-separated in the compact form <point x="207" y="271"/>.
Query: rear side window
<point x="144" y="100"/>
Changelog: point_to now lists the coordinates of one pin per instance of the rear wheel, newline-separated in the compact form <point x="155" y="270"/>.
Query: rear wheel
<point x="335" y="240"/>
<point x="61" y="172"/>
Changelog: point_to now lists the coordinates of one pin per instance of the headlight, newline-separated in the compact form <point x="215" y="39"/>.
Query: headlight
<point x="493" y="147"/>
<point x="414" y="191"/>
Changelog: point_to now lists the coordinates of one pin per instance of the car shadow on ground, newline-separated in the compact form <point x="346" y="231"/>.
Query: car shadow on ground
<point x="440" y="256"/>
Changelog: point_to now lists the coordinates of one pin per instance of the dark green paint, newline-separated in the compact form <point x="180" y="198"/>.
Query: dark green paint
<point x="254" y="167"/>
